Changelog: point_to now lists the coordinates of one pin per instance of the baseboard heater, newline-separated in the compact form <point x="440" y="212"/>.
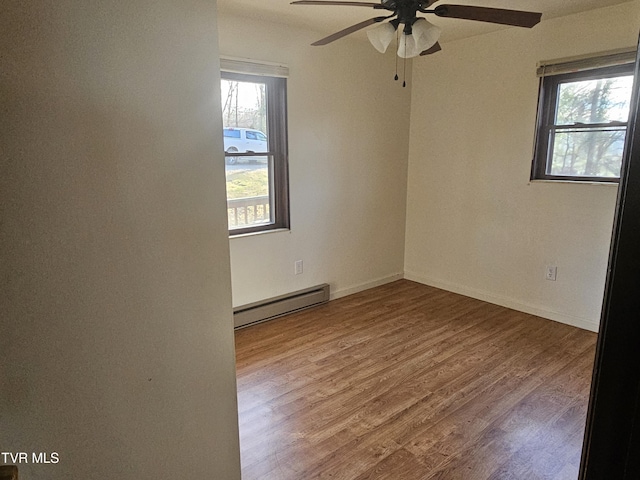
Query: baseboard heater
<point x="276" y="307"/>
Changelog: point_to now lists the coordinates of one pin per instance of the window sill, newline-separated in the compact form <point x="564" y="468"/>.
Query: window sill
<point x="574" y="182"/>
<point x="262" y="232"/>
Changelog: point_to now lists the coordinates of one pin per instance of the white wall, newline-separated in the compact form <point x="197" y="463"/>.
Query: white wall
<point x="116" y="342"/>
<point x="475" y="224"/>
<point x="348" y="145"/>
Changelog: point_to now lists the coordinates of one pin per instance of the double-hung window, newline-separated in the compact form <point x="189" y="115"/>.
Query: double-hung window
<point x="582" y="118"/>
<point x="254" y="115"/>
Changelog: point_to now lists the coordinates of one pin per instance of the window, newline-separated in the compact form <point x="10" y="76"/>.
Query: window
<point x="255" y="143"/>
<point x="230" y="133"/>
<point x="582" y="122"/>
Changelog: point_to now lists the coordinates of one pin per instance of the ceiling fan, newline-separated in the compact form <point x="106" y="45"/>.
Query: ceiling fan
<point x="419" y="37"/>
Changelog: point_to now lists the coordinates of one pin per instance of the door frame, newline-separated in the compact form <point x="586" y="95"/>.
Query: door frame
<point x="611" y="449"/>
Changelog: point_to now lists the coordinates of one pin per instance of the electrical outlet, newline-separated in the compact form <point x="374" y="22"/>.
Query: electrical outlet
<point x="551" y="273"/>
<point x="297" y="266"/>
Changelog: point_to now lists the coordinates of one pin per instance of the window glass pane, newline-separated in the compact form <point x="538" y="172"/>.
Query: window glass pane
<point x="593" y="152"/>
<point x="249" y="178"/>
<point x="231" y="133"/>
<point x="249" y="192"/>
<point x="244" y="114"/>
<point x="594" y="101"/>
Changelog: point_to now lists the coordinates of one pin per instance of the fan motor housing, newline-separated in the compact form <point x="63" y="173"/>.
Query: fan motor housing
<point x="405" y="10"/>
<point x="401" y="4"/>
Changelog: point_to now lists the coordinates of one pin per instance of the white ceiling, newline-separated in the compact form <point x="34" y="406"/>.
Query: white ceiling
<point x="329" y="19"/>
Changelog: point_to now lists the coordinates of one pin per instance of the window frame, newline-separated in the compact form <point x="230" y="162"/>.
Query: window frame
<point x="547" y="107"/>
<point x="276" y="98"/>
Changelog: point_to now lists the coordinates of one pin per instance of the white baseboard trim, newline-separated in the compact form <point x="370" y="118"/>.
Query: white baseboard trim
<point x="511" y="303"/>
<point x="343" y="292"/>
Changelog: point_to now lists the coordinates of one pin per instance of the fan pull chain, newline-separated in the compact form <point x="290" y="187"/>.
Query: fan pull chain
<point x="404" y="74"/>
<point x="404" y="65"/>
<point x="397" y="44"/>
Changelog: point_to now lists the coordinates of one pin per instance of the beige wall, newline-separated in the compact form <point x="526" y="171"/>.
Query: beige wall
<point x="475" y="224"/>
<point x="116" y="343"/>
<point x="348" y="144"/>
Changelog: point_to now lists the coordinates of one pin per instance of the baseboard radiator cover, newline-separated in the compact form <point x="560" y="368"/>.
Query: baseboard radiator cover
<point x="278" y="306"/>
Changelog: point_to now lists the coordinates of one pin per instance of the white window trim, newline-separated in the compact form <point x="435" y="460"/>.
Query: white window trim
<point x="253" y="67"/>
<point x="610" y="58"/>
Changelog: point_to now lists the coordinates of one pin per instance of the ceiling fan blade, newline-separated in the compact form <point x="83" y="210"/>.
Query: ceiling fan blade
<point x="434" y="49"/>
<point x="347" y="31"/>
<point x="329" y="2"/>
<point x="516" y="18"/>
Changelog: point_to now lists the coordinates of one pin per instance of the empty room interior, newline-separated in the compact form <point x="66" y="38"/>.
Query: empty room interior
<point x="408" y="201"/>
<point x="462" y="280"/>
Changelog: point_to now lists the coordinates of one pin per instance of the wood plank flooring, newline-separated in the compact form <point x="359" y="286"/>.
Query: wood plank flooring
<point x="406" y="382"/>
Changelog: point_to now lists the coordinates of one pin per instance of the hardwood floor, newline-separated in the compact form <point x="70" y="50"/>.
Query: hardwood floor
<point x="406" y="382"/>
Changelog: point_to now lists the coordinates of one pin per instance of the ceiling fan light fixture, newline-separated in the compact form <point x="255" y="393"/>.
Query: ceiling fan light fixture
<point x="424" y="36"/>
<point x="381" y="36"/>
<point x="407" y="46"/>
<point x="428" y="33"/>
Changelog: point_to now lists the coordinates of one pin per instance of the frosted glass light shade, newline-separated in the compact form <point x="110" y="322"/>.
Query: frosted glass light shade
<point x="424" y="35"/>
<point x="381" y="36"/>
